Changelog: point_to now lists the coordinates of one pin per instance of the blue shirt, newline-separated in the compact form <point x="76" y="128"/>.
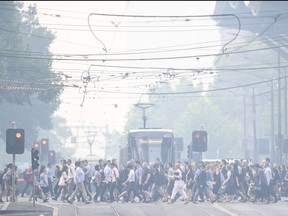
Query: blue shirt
<point x="48" y="173"/>
<point x="36" y="174"/>
<point x="80" y="174"/>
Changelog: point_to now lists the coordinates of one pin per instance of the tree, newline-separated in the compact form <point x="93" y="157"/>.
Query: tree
<point x="223" y="133"/>
<point x="188" y="112"/>
<point x="29" y="88"/>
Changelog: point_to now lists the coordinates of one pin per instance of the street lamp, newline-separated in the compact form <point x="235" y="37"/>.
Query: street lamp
<point x="144" y="106"/>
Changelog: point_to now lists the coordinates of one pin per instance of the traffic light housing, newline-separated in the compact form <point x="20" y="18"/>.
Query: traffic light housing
<point x="15" y="141"/>
<point x="199" y="141"/>
<point x="52" y="157"/>
<point x="35" y="158"/>
<point x="44" y="148"/>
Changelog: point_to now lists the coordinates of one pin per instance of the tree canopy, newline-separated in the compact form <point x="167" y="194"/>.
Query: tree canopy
<point x="29" y="88"/>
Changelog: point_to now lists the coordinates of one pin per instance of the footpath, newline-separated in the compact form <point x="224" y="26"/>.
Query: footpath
<point x="23" y="207"/>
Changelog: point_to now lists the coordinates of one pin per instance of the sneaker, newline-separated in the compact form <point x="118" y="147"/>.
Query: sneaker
<point x="69" y="201"/>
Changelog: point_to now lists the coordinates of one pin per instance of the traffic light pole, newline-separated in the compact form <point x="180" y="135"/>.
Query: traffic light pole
<point x="33" y="188"/>
<point x="13" y="125"/>
<point x="13" y="177"/>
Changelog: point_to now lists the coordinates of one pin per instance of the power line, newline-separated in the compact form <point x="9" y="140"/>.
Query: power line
<point x="186" y="19"/>
<point x="193" y="92"/>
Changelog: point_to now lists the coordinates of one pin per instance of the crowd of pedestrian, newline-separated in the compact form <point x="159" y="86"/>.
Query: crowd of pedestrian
<point x="194" y="182"/>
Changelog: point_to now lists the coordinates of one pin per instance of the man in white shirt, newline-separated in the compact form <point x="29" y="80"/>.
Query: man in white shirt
<point x="269" y="177"/>
<point x="115" y="182"/>
<point x="71" y="177"/>
<point x="107" y="179"/>
<point x="131" y="184"/>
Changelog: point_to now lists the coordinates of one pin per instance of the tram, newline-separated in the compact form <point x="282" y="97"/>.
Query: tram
<point x="147" y="145"/>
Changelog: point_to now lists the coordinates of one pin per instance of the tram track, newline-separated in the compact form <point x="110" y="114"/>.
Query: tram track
<point x="170" y="213"/>
<point x="200" y="208"/>
<point x="114" y="211"/>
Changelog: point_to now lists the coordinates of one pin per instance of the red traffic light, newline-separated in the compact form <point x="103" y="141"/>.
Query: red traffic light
<point x="196" y="135"/>
<point x="199" y="141"/>
<point x="36" y="145"/>
<point x="44" y="141"/>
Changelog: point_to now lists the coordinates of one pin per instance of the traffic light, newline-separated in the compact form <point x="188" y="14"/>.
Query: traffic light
<point x="15" y="142"/>
<point x="52" y="157"/>
<point x="189" y="151"/>
<point x="44" y="148"/>
<point x="199" y="141"/>
<point x="35" y="158"/>
<point x="36" y="146"/>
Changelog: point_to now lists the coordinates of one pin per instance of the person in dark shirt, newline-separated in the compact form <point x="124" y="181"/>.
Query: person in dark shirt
<point x="202" y="183"/>
<point x="146" y="182"/>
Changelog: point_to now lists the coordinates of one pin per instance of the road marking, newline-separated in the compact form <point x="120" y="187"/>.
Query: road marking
<point x="221" y="208"/>
<point x="55" y="209"/>
<point x="5" y="206"/>
<point x="114" y="211"/>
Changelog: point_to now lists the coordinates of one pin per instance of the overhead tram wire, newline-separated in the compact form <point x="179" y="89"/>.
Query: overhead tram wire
<point x="257" y="36"/>
<point x="145" y="59"/>
<point x="109" y="53"/>
<point x="149" y="51"/>
<point x="193" y="92"/>
<point x="189" y="16"/>
<point x="80" y="12"/>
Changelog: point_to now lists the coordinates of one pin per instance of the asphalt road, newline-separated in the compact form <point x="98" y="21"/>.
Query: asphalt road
<point x="53" y="208"/>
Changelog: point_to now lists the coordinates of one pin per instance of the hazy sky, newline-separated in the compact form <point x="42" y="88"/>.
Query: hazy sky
<point x="69" y="20"/>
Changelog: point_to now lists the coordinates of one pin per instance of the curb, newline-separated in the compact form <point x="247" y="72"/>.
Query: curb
<point x="55" y="209"/>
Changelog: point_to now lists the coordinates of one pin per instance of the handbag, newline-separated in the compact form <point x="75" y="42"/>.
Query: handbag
<point x="62" y="181"/>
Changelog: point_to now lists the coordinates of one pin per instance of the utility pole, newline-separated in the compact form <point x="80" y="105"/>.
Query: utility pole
<point x="255" y="146"/>
<point x="279" y="140"/>
<point x="272" y="151"/>
<point x="13" y="125"/>
<point x="285" y="110"/>
<point x="246" y="154"/>
<point x="285" y="104"/>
